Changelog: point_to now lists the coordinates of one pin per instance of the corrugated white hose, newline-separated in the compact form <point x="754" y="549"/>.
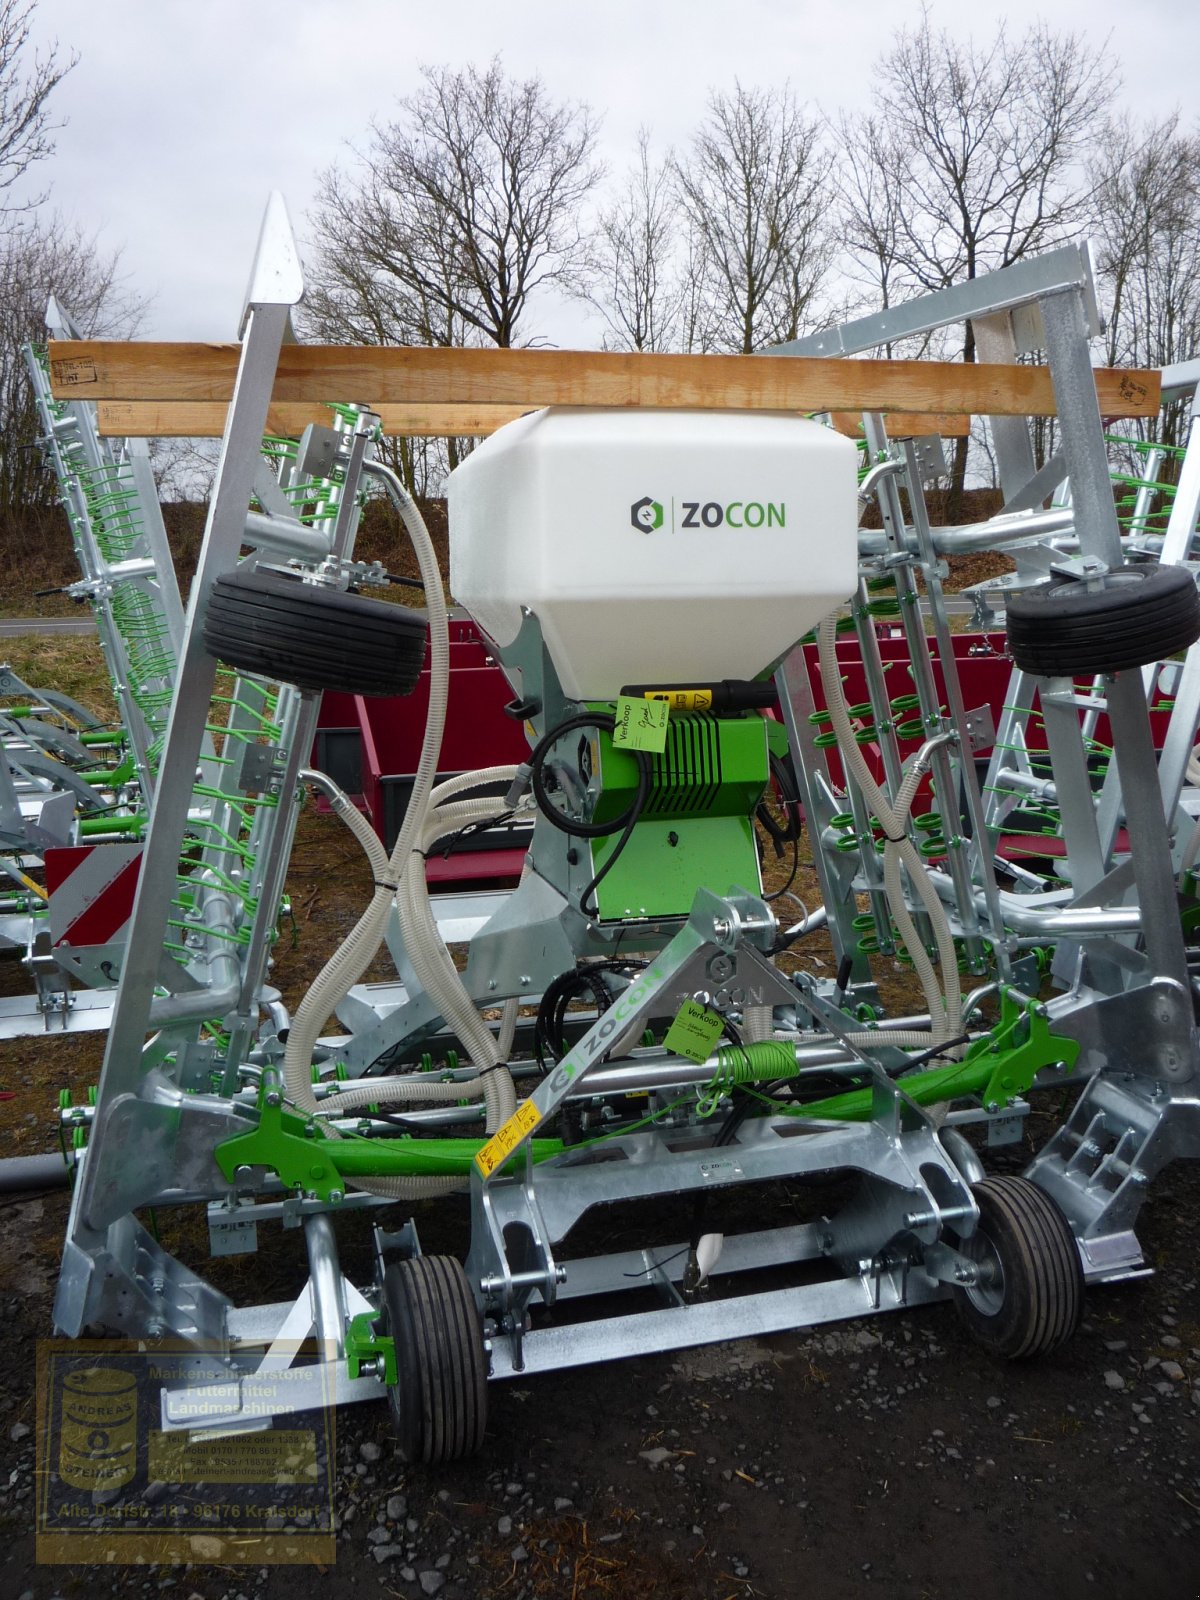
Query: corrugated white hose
<point x="415" y="1088"/>
<point x="350" y="961"/>
<point x="344" y="808"/>
<point x="945" y="1012"/>
<point x="442" y="980"/>
<point x="758" y="1023"/>
<point x="508" y="1028"/>
<point x="412" y="1089"/>
<point x="424" y="944"/>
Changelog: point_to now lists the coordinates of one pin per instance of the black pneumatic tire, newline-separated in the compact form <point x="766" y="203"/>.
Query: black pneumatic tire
<point x="272" y="624"/>
<point x="1029" y="1297"/>
<point x="439" y="1400"/>
<point x="1141" y="614"/>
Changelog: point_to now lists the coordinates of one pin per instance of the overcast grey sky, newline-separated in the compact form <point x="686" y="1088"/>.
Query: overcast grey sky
<point x="180" y="117"/>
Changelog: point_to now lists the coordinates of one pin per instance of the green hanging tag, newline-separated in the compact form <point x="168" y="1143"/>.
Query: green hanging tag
<point x="694" y="1032"/>
<point x="641" y="724"/>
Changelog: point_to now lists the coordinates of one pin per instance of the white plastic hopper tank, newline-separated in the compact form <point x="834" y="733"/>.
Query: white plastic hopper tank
<point x="655" y="546"/>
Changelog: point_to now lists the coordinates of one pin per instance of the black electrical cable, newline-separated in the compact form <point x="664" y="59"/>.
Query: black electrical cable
<point x="807" y="1090"/>
<point x="927" y="1055"/>
<point x="446" y="845"/>
<point x="549" y="1035"/>
<point x="571" y="985"/>
<point x="740" y="1103"/>
<point x="791" y="877"/>
<point x="789" y="802"/>
<point x="583" y="830"/>
<point x="635" y="812"/>
<point x="626" y="821"/>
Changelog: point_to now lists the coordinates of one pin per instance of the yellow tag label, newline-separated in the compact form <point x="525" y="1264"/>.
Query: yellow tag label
<point x="694" y="1032"/>
<point x="683" y="699"/>
<point x="641" y="724"/>
<point x="505" y="1140"/>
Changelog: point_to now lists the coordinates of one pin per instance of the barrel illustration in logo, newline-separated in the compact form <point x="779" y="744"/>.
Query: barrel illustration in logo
<point x="97" y="1446"/>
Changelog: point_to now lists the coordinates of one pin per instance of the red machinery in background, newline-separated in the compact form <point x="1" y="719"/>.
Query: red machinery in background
<point x="370" y="746"/>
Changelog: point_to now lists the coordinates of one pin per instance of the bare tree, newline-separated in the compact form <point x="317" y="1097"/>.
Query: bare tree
<point x="970" y="160"/>
<point x="753" y="190"/>
<point x="1147" y="227"/>
<point x="1146" y="179"/>
<point x="461" y="210"/>
<point x="40" y="257"/>
<point x="641" y="292"/>
<point x="352" y="296"/>
<point x="871" y="183"/>
<point x="26" y="84"/>
<point x="445" y="228"/>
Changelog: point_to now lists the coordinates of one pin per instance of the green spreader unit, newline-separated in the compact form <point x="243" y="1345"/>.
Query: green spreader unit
<point x="696" y="829"/>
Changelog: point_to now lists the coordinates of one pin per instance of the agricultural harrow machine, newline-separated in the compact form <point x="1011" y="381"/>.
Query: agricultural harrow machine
<point x="629" y="1030"/>
<point x="76" y="794"/>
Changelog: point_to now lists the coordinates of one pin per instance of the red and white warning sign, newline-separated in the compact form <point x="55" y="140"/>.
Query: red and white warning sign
<point x="91" y="889"/>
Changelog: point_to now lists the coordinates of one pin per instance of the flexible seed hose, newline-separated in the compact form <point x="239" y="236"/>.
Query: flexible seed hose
<point x="344" y="808"/>
<point x="757" y="1023"/>
<point x="436" y="973"/>
<point x="349" y="813"/>
<point x="899" y="851"/>
<point x="418" y="927"/>
<point x="350" y="961"/>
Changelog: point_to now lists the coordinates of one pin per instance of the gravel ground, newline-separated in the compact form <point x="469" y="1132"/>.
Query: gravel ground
<point x="887" y="1454"/>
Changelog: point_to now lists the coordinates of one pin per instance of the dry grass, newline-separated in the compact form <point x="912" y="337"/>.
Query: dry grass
<point x="72" y="664"/>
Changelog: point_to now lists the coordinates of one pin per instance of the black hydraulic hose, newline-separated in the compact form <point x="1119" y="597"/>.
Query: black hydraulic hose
<point x="633" y="814"/>
<point x="537" y="758"/>
<point x="625" y="822"/>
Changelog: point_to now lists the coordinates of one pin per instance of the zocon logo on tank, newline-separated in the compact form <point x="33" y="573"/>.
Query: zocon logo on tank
<point x="648" y="514"/>
<point x="654" y="546"/>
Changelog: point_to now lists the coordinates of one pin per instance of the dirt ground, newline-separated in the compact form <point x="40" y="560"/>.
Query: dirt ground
<point x="885" y="1455"/>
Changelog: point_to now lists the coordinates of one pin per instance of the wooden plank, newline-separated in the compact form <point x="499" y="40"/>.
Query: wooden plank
<point x="906" y="424"/>
<point x="205" y="419"/>
<point x="105" y="370"/>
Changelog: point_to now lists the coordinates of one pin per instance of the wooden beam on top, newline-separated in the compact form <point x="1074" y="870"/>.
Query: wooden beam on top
<point x="906" y="424"/>
<point x="205" y="419"/>
<point x="379" y="376"/>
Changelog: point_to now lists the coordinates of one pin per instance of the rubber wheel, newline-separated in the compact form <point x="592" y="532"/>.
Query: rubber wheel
<point x="1029" y="1295"/>
<point x="278" y="627"/>
<point x="1141" y="614"/>
<point x="439" y="1400"/>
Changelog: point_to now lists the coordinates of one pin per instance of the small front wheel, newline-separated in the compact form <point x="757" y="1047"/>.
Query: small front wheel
<point x="1027" y="1296"/>
<point x="439" y="1399"/>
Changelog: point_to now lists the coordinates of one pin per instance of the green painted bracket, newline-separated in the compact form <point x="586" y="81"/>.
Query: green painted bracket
<point x="997" y="1068"/>
<point x="1020" y="1045"/>
<point x="288" y="1146"/>
<point x="311" y="1162"/>
<point x="364" y="1344"/>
